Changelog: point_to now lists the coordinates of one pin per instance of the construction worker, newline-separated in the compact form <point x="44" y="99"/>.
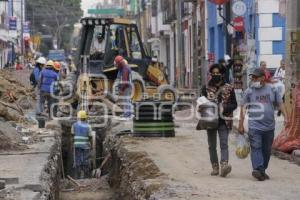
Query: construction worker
<point x="70" y="65"/>
<point x="82" y="133"/>
<point x="125" y="86"/>
<point x="34" y="78"/>
<point x="56" y="89"/>
<point x="47" y="78"/>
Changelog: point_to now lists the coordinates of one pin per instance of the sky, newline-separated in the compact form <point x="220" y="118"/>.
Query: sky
<point x="86" y="4"/>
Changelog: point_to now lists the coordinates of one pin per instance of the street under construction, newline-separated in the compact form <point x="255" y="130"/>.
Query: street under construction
<point x="133" y="106"/>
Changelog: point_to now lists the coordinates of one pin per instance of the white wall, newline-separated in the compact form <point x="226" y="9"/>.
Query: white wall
<point x="268" y="6"/>
<point x="273" y="61"/>
<point x="267" y="33"/>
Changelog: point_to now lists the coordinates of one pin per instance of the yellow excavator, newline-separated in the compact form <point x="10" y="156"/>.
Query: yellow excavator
<point x="102" y="39"/>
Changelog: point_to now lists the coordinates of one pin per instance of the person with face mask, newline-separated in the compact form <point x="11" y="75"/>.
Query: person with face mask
<point x="223" y="95"/>
<point x="259" y="100"/>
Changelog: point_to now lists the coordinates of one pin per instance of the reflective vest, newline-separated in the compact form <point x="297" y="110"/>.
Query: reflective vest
<point x="81" y="135"/>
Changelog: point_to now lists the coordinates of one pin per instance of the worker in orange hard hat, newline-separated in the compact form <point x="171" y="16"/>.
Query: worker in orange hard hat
<point x="56" y="88"/>
<point x="125" y="88"/>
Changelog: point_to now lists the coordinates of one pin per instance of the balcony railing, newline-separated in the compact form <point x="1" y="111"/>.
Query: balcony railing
<point x="168" y="8"/>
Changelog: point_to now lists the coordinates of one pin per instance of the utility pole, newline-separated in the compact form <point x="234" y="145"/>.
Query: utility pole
<point x="22" y="29"/>
<point x="139" y="15"/>
<point x="293" y="49"/>
<point x="195" y="47"/>
<point x="179" y="48"/>
<point x="201" y="58"/>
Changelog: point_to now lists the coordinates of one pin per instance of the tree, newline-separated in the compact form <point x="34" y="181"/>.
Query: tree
<point x="55" y="17"/>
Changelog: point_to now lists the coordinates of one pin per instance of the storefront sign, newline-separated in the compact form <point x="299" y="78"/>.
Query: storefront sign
<point x="211" y="57"/>
<point x="13" y="23"/>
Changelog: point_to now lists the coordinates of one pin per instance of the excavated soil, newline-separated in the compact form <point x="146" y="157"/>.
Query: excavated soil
<point x="15" y="101"/>
<point x="93" y="189"/>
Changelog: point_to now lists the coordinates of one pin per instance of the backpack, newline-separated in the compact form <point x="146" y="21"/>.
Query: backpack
<point x="32" y="80"/>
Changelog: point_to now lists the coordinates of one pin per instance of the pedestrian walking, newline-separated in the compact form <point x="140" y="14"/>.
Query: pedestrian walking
<point x="82" y="133"/>
<point x="124" y="86"/>
<point x="279" y="77"/>
<point x="280" y="72"/>
<point x="267" y="73"/>
<point x="223" y="95"/>
<point x="47" y="78"/>
<point x="259" y="100"/>
<point x="34" y="78"/>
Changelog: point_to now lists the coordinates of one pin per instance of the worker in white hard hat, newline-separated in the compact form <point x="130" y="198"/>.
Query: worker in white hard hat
<point x="34" y="77"/>
<point x="82" y="133"/>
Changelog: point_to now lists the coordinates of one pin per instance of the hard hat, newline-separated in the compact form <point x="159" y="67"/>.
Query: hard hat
<point x="242" y="152"/>
<point x="41" y="60"/>
<point x="50" y="63"/>
<point x="57" y="66"/>
<point x="118" y="60"/>
<point x="82" y="114"/>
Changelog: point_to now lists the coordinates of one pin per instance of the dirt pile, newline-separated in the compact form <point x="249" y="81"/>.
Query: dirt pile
<point x="15" y="101"/>
<point x="9" y="138"/>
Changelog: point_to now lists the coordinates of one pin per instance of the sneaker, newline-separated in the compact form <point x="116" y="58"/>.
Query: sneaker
<point x="225" y="169"/>
<point x="258" y="175"/>
<point x="267" y="177"/>
<point x="215" y="171"/>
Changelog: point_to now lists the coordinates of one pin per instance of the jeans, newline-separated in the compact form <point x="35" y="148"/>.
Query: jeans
<point x="50" y="100"/>
<point x="212" y="143"/>
<point x="38" y="106"/>
<point x="127" y="106"/>
<point x="82" y="163"/>
<point x="261" y="146"/>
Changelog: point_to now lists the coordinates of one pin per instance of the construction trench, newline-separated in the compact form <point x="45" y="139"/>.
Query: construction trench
<point x="128" y="174"/>
<point x="138" y="168"/>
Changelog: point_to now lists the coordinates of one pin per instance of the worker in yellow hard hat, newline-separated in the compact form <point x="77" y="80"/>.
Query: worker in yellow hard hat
<point x="47" y="78"/>
<point x="82" y="133"/>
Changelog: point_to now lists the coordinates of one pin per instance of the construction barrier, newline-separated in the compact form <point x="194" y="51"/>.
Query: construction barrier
<point x="289" y="139"/>
<point x="153" y="119"/>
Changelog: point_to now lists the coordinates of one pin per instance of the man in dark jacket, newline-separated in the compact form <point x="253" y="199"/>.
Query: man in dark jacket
<point x="223" y="95"/>
<point x="47" y="78"/>
<point x="227" y="64"/>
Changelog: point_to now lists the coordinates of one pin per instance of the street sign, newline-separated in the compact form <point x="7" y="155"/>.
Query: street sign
<point x="111" y="11"/>
<point x="238" y="24"/>
<point x="219" y="2"/>
<point x="13" y="23"/>
<point x="26" y="28"/>
<point x="239" y="8"/>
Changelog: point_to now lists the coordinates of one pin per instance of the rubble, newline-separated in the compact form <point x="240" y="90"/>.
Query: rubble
<point x="15" y="101"/>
